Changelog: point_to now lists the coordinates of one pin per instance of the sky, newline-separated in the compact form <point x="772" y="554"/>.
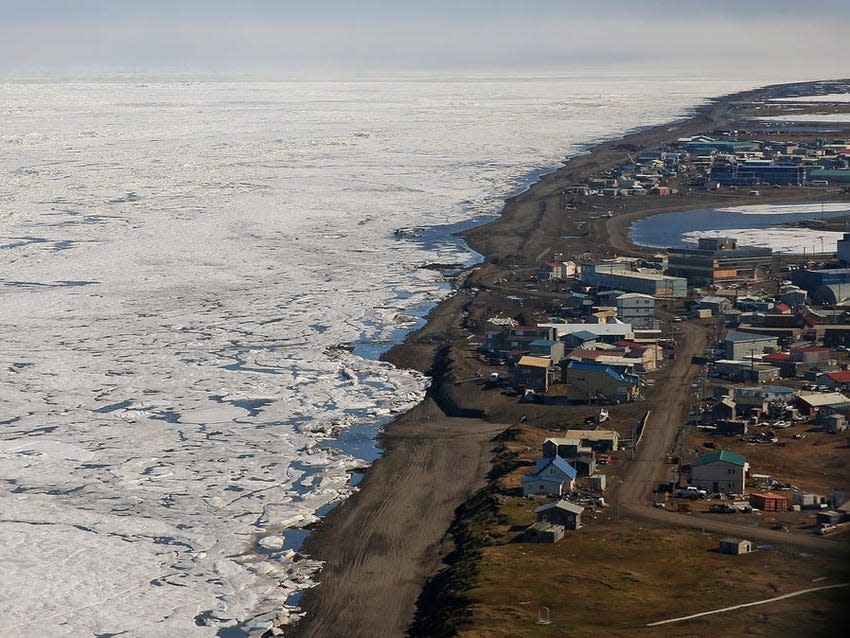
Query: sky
<point x="803" y="40"/>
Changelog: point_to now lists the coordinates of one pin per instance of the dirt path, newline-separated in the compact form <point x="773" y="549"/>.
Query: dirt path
<point x="649" y="467"/>
<point x="380" y="545"/>
<point x="671" y="398"/>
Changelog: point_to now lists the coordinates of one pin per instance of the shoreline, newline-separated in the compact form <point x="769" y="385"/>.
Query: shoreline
<point x="383" y="543"/>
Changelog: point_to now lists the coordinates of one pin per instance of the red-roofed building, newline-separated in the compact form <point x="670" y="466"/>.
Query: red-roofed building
<point x="836" y="381"/>
<point x="810" y="354"/>
<point x="776" y="357"/>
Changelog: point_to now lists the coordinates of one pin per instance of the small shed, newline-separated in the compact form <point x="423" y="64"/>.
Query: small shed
<point x="558" y="446"/>
<point x="834" y="423"/>
<point x="544" y="532"/>
<point x="585" y="464"/>
<point x="730" y="427"/>
<point x="724" y="409"/>
<point x="735" y="546"/>
<point x="563" y="513"/>
<point x="768" y="501"/>
<point x="597" y="482"/>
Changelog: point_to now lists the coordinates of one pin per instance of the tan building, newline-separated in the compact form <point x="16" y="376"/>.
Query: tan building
<point x="720" y="471"/>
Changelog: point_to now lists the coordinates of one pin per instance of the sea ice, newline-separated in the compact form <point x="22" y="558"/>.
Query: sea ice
<point x="186" y="269"/>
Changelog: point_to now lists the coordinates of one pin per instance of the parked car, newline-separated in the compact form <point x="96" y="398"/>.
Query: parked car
<point x="721" y="508"/>
<point x="691" y="492"/>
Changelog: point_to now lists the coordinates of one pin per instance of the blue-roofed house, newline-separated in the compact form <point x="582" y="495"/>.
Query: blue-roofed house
<point x="720" y="471"/>
<point x="580" y="339"/>
<point x="552" y="475"/>
<point x="590" y="382"/>
<point x="547" y="348"/>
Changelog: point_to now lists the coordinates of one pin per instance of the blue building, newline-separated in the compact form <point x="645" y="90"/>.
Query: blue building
<point x="811" y="280"/>
<point x="754" y="173"/>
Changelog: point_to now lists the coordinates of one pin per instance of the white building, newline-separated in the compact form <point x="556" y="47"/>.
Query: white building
<point x="637" y="309"/>
<point x="608" y="331"/>
<point x="720" y="471"/>
<point x="843" y="246"/>
<point x="740" y="345"/>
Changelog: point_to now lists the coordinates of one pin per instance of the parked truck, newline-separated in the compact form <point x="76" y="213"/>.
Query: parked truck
<point x="691" y="492"/>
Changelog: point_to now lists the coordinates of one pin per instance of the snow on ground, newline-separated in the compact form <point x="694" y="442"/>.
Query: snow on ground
<point x="806" y="117"/>
<point x="781" y="240"/>
<point x="788" y="209"/>
<point x="832" y="97"/>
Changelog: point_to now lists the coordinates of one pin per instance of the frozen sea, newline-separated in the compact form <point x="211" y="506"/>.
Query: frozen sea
<point x="180" y="261"/>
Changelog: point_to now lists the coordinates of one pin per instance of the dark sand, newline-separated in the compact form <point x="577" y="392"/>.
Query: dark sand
<point x="382" y="544"/>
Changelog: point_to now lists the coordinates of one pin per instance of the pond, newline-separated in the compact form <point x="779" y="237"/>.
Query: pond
<point x="755" y="225"/>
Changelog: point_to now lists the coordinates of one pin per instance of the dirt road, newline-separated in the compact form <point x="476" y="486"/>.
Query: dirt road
<point x="649" y="466"/>
<point x="381" y="544"/>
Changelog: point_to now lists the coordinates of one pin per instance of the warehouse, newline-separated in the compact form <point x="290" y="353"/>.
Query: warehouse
<point x="614" y="276"/>
<point x="718" y="260"/>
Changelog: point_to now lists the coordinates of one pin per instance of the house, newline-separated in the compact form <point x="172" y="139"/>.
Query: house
<point x="637" y="309"/>
<point x="744" y="344"/>
<point x="833" y="423"/>
<point x="514" y="338"/>
<point x="551" y="476"/>
<point x="735" y="546"/>
<point x="723" y="409"/>
<point x="770" y="400"/>
<point x="649" y="354"/>
<point x="595" y="382"/>
<point x="610" y="331"/>
<point x="578" y="454"/>
<point x="580" y="339"/>
<point x="533" y="373"/>
<point x="563" y="447"/>
<point x="717" y="305"/>
<point x="720" y="471"/>
<point x="811" y="403"/>
<point x="543" y="532"/>
<point x="810" y="354"/>
<point x="768" y="502"/>
<point x="550" y="348"/>
<point x="601" y="440"/>
<point x="561" y="513"/>
<point x="556" y="270"/>
<point x="835" y="381"/>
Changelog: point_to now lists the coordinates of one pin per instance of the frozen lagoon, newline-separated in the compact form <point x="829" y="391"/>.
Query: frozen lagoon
<point x="755" y="225"/>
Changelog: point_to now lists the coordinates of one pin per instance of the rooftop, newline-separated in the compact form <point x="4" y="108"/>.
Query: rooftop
<point x="821" y="399"/>
<point x="721" y="456"/>
<point x="535" y="362"/>
<point x="561" y="505"/>
<point x="736" y="336"/>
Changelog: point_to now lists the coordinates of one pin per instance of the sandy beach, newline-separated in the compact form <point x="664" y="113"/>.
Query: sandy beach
<point x="381" y="545"/>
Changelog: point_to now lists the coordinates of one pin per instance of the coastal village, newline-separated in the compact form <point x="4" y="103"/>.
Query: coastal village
<point x="589" y="335"/>
<point x="677" y="435"/>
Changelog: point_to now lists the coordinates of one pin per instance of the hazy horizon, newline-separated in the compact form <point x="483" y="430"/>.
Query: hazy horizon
<point x="285" y="39"/>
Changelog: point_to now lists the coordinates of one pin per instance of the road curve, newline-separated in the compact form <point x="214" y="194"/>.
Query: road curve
<point x="649" y="468"/>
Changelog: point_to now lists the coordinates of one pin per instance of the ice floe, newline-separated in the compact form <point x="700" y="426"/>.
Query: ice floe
<point x="180" y="264"/>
